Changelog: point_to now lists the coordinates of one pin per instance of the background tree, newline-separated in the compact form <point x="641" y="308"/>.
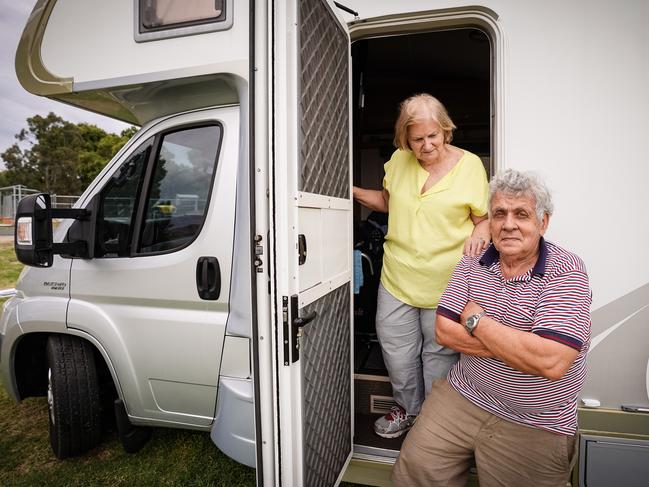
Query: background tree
<point x="57" y="156"/>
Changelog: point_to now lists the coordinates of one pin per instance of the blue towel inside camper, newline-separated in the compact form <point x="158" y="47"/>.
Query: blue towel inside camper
<point x="358" y="271"/>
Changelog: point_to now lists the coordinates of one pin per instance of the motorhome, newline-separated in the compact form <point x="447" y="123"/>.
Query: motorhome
<point x="205" y="278"/>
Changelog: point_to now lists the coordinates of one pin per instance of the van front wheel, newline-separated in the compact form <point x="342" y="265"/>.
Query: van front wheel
<point x="72" y="396"/>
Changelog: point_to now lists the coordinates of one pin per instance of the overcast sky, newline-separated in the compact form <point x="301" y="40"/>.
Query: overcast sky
<point x="18" y="104"/>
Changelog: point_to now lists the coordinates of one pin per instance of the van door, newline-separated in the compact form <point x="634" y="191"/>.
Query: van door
<point x="312" y="237"/>
<point x="155" y="296"/>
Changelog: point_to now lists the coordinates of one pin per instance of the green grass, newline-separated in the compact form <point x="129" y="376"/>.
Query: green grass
<point x="170" y="458"/>
<point x="9" y="266"/>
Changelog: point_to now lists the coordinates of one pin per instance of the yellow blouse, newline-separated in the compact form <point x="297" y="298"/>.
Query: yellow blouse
<point x="426" y="232"/>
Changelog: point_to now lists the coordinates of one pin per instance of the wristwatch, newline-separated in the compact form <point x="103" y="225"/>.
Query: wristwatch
<point x="472" y="322"/>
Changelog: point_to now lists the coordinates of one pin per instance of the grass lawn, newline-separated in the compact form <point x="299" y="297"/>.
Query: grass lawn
<point x="172" y="457"/>
<point x="9" y="266"/>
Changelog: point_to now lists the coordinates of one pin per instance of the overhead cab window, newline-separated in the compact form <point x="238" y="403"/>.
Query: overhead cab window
<point x="160" y="19"/>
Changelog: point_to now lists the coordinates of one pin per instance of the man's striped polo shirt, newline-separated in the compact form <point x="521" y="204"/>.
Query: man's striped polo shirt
<point x="551" y="300"/>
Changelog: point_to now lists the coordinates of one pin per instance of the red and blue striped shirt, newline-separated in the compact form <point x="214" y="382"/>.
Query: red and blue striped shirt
<point x="551" y="300"/>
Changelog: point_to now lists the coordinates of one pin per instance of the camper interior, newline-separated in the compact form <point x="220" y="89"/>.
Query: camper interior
<point x="454" y="66"/>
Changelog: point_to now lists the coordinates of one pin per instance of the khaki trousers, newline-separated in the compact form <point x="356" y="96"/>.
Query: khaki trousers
<point x="451" y="431"/>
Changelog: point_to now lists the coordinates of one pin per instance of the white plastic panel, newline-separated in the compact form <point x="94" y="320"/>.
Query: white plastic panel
<point x="235" y="361"/>
<point x="174" y="397"/>
<point x="324" y="221"/>
<point x="92" y="40"/>
<point x="311" y="227"/>
<point x="234" y="426"/>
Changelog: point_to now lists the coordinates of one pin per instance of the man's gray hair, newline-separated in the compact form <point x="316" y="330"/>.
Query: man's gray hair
<point x="518" y="183"/>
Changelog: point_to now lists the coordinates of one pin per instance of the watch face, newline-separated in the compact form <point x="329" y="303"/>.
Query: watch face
<point x="469" y="324"/>
<point x="472" y="322"/>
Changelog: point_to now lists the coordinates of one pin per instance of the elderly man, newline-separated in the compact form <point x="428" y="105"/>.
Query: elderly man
<point x="519" y="315"/>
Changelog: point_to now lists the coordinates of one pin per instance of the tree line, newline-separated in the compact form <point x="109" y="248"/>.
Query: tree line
<point x="59" y="157"/>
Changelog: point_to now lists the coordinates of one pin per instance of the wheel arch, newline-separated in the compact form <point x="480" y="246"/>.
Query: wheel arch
<point x="30" y="363"/>
<point x="105" y="362"/>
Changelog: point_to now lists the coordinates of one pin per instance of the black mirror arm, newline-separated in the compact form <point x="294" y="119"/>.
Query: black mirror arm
<point x="70" y="213"/>
<point x="73" y="249"/>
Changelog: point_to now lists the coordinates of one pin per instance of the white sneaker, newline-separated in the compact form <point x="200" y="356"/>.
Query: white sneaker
<point x="394" y="424"/>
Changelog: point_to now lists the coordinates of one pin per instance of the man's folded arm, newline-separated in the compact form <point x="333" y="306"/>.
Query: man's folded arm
<point x="450" y="333"/>
<point x="526" y="351"/>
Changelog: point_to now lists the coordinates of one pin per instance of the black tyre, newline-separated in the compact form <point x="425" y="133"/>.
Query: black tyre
<point x="72" y="396"/>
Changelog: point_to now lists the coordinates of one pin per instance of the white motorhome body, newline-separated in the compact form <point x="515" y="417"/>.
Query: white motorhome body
<point x="227" y="223"/>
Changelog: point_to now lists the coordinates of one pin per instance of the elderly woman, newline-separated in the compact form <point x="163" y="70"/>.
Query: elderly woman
<point x="436" y="195"/>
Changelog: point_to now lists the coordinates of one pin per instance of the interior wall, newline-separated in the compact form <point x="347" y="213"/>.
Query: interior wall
<point x="371" y="175"/>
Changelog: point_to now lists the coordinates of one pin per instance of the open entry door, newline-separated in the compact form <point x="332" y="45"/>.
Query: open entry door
<point x="311" y="229"/>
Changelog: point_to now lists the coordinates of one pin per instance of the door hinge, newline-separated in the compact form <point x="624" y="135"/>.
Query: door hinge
<point x="259" y="250"/>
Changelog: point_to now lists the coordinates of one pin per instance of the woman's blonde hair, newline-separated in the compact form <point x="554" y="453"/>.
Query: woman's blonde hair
<point x="416" y="109"/>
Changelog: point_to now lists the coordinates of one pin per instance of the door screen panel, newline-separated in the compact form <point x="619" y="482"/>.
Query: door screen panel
<point x="312" y="230"/>
<point x="326" y="376"/>
<point x="324" y="105"/>
<point x="324" y="170"/>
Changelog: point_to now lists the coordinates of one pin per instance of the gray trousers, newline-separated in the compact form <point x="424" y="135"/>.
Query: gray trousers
<point x="412" y="356"/>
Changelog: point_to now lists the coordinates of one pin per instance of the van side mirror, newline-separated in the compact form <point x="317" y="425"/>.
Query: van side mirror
<point x="33" y="233"/>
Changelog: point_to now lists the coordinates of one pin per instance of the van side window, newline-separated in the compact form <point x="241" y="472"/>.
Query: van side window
<point x="178" y="194"/>
<point x="159" y="19"/>
<point x="118" y="203"/>
<point x="165" y="13"/>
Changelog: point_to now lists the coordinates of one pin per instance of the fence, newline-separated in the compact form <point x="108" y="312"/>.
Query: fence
<point x="11" y="195"/>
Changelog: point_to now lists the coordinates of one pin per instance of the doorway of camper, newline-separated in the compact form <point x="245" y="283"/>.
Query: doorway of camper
<point x="454" y="66"/>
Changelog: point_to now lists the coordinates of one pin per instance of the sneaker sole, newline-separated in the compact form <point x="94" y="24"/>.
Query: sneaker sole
<point x="392" y="435"/>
